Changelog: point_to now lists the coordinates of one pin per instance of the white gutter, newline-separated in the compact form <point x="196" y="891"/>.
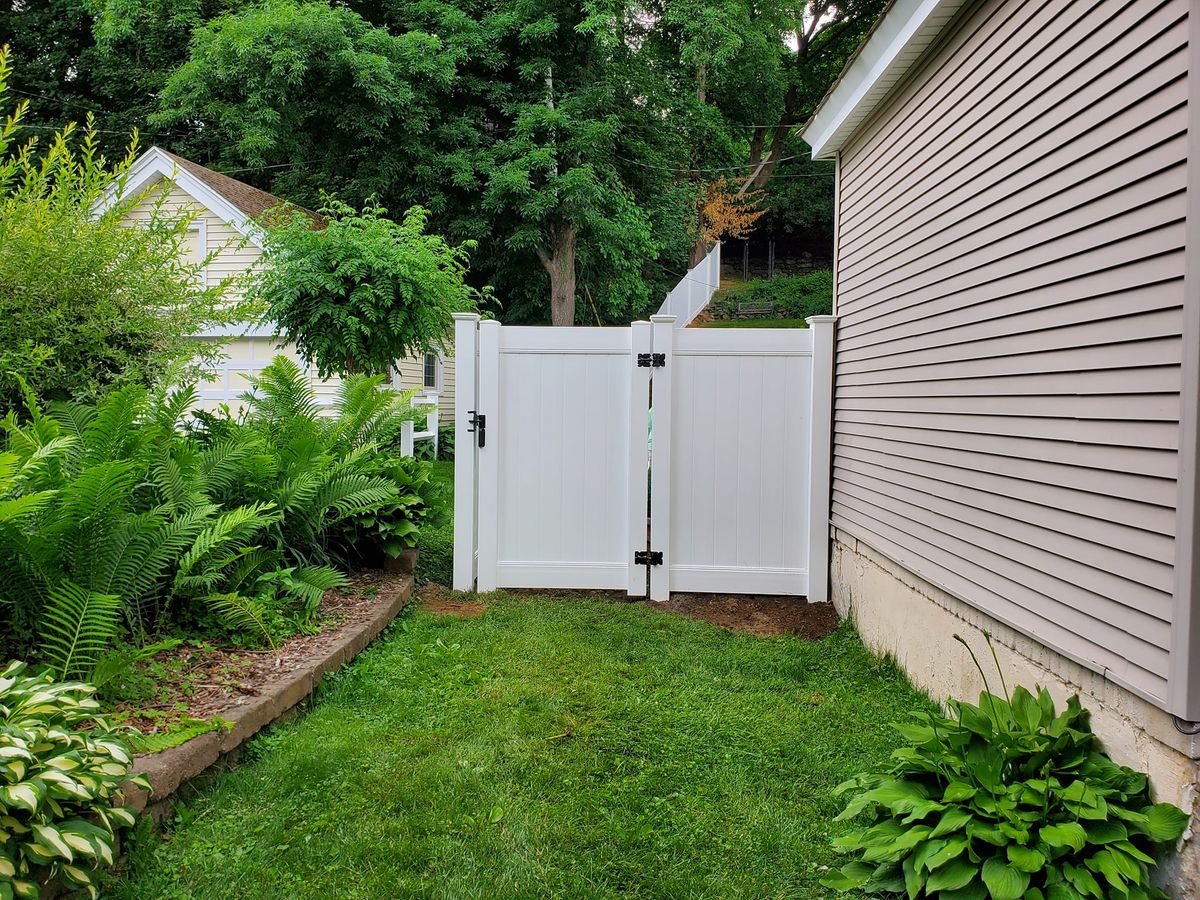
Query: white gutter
<point x="902" y="34"/>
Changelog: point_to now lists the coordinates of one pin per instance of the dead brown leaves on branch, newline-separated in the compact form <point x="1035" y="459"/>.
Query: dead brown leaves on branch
<point x="726" y="213"/>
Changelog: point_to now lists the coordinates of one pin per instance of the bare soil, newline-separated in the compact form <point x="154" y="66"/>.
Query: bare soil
<point x="761" y="615"/>
<point x="438" y="599"/>
<point x="201" y="682"/>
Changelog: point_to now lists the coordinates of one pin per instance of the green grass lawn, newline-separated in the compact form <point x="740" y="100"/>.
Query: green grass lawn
<point x="552" y="747"/>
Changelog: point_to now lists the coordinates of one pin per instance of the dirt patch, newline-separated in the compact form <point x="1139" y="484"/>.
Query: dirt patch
<point x="437" y="599"/>
<point x="200" y="682"/>
<point x="756" y="614"/>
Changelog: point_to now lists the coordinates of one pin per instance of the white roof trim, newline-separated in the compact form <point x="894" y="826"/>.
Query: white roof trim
<point x="907" y="28"/>
<point x="155" y="163"/>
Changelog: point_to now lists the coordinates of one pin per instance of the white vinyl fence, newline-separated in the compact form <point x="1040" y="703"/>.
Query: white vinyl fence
<point x="695" y="290"/>
<point x="645" y="459"/>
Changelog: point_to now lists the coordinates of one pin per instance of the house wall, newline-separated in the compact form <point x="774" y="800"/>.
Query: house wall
<point x="1010" y="293"/>
<point x="234" y="257"/>
<point x="1010" y="288"/>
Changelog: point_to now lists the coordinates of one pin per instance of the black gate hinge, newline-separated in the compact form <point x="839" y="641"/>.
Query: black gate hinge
<point x="647" y="557"/>
<point x="651" y="360"/>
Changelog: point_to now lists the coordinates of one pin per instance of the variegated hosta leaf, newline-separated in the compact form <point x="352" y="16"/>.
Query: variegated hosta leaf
<point x="20" y="796"/>
<point x="62" y="816"/>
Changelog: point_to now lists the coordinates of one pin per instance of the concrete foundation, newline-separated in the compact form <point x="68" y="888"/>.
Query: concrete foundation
<point x="902" y="616"/>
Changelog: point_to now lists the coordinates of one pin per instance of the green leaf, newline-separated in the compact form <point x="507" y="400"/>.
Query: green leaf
<point x="953" y="820"/>
<point x="1068" y="834"/>
<point x="955" y="875"/>
<point x="850" y="877"/>
<point x="1003" y="881"/>
<point x="1025" y="858"/>
<point x="949" y="851"/>
<point x="957" y="791"/>
<point x="1165" y="823"/>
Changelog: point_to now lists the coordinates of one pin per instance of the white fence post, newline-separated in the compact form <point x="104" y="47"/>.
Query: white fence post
<point x="406" y="438"/>
<point x="820" y="431"/>
<point x="641" y="341"/>
<point x="488" y="510"/>
<point x="660" y="457"/>
<point x="466" y="349"/>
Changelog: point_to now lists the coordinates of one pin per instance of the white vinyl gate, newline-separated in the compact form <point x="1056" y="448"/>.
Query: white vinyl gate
<point x="645" y="458"/>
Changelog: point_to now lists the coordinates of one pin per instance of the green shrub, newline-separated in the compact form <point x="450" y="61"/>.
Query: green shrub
<point x="445" y="449"/>
<point x="794" y="297"/>
<point x="436" y="562"/>
<point x="61" y="769"/>
<point x="87" y="302"/>
<point x="117" y="524"/>
<point x="1007" y="799"/>
<point x="388" y="528"/>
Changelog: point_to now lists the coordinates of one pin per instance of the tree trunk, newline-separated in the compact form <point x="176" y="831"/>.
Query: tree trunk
<point x="559" y="261"/>
<point x="698" y="252"/>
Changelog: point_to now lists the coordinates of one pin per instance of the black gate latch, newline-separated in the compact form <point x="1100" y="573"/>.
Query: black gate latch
<point x="478" y="427"/>
<point x="647" y="557"/>
<point x="651" y="360"/>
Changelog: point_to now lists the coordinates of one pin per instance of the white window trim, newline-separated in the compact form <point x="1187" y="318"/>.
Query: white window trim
<point x="200" y="226"/>
<point x="440" y="372"/>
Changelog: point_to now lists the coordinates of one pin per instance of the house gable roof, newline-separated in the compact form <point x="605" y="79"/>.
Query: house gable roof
<point x="900" y="36"/>
<point x="234" y="201"/>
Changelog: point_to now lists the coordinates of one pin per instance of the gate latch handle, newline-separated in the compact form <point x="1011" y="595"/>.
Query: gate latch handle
<point x="478" y="427"/>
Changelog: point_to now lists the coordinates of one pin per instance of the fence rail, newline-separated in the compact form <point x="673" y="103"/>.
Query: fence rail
<point x="695" y="289"/>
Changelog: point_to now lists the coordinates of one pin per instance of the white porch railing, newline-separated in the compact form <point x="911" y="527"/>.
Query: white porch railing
<point x="695" y="290"/>
<point x="408" y="433"/>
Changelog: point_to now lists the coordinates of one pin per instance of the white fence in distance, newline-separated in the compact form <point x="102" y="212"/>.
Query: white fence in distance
<point x="695" y="290"/>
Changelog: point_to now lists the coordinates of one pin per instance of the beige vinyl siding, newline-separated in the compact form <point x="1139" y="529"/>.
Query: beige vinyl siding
<point x="1010" y="293"/>
<point x="233" y="255"/>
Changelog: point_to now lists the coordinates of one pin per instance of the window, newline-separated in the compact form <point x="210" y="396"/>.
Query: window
<point x="195" y="249"/>
<point x="431" y="366"/>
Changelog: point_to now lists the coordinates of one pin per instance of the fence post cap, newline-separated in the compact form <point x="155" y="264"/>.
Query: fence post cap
<point x="664" y="319"/>
<point x="820" y="320"/>
<point x="465" y="317"/>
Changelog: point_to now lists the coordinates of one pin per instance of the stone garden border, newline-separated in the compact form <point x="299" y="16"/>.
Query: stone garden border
<point x="171" y="768"/>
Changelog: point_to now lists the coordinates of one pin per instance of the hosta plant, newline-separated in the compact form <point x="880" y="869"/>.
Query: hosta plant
<point x="61" y="768"/>
<point x="1006" y="799"/>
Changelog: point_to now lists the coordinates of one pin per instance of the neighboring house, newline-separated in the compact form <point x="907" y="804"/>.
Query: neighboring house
<point x="1017" y="374"/>
<point x="225" y="225"/>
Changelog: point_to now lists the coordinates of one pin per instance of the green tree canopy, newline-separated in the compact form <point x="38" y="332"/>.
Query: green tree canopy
<point x="362" y="291"/>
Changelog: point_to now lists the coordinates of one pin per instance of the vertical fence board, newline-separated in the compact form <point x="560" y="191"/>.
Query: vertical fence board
<point x="641" y="335"/>
<point x="466" y="349"/>
<point x="819" y="435"/>
<point x="489" y="455"/>
<point x="660" y="457"/>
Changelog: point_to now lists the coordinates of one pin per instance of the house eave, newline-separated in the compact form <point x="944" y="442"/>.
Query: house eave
<point x="155" y="164"/>
<point x="902" y="34"/>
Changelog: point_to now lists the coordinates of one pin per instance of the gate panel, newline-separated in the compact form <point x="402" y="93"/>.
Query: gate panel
<point x="555" y="469"/>
<point x="740" y="460"/>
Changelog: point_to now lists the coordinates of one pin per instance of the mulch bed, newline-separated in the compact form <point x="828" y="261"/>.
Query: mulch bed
<point x="201" y="682"/>
<point x="764" y="616"/>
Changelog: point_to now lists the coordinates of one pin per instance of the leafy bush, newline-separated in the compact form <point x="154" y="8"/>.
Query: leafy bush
<point x="116" y="522"/>
<point x="61" y="769"/>
<point x="389" y="528"/>
<point x="1008" y="799"/>
<point x="364" y="290"/>
<point x="86" y="302"/>
<point x="445" y="446"/>
<point x="436" y="562"/>
<point x="794" y="297"/>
